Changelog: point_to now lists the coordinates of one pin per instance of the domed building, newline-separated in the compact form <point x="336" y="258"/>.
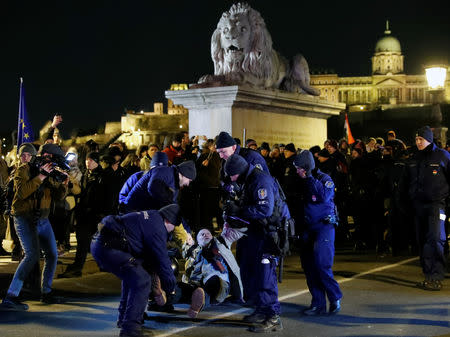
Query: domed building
<point x="388" y="58"/>
<point x="387" y="87"/>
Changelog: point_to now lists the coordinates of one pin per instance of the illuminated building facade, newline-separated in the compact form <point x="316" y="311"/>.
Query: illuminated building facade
<point x="388" y="86"/>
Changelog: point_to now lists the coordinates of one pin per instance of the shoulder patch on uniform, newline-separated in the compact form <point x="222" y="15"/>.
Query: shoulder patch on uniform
<point x="259" y="166"/>
<point x="329" y="184"/>
<point x="146" y="216"/>
<point x="262" y="193"/>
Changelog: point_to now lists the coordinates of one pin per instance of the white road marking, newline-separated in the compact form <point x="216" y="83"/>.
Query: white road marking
<point x="282" y="298"/>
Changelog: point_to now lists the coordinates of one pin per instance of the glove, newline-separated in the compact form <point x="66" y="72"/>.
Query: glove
<point x="230" y="208"/>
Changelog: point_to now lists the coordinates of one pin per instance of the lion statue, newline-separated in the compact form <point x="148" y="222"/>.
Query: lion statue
<point x="241" y="49"/>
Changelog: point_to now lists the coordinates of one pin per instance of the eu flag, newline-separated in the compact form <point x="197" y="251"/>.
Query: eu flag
<point x="24" y="130"/>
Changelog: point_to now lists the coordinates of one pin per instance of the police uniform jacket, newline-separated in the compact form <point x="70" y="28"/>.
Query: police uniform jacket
<point x="138" y="198"/>
<point x="429" y="175"/>
<point x="128" y="186"/>
<point x="318" y="192"/>
<point x="260" y="193"/>
<point x="252" y="157"/>
<point x="157" y="188"/>
<point x="147" y="239"/>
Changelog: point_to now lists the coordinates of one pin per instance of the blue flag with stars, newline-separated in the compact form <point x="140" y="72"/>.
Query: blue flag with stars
<point x="24" y="130"/>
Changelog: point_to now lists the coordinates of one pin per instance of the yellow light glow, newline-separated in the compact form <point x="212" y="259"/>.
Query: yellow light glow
<point x="436" y="77"/>
<point x="181" y="126"/>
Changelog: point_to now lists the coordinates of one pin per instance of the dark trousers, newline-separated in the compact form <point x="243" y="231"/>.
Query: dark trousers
<point x="317" y="254"/>
<point x="136" y="283"/>
<point x="211" y="288"/>
<point x="84" y="231"/>
<point x="258" y="274"/>
<point x="430" y="231"/>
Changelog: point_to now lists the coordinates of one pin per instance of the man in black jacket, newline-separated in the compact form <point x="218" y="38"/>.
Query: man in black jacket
<point x="90" y="210"/>
<point x="429" y="176"/>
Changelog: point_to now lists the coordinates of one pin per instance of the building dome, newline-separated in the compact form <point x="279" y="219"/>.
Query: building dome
<point x="388" y="43"/>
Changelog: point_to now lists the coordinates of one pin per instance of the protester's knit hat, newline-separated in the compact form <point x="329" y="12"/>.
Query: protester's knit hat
<point x="171" y="213"/>
<point x="95" y="156"/>
<point x="159" y="159"/>
<point x="426" y="133"/>
<point x="224" y="140"/>
<point x="187" y="169"/>
<point x="27" y="147"/>
<point x="305" y="160"/>
<point x="235" y="164"/>
<point x="290" y="147"/>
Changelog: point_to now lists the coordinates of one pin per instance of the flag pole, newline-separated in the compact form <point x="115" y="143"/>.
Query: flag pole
<point x="19" y="141"/>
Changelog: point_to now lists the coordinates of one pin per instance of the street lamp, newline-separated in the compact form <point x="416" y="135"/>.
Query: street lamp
<point x="436" y="75"/>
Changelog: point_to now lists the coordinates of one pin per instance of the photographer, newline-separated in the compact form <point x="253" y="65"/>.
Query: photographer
<point x="35" y="184"/>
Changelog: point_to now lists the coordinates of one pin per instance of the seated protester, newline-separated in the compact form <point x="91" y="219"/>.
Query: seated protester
<point x="212" y="273"/>
<point x="159" y="159"/>
<point x="125" y="244"/>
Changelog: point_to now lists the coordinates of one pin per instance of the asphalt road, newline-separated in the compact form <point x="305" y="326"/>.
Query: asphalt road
<point x="380" y="299"/>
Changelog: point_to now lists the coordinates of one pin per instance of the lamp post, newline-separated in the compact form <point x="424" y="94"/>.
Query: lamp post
<point x="436" y="75"/>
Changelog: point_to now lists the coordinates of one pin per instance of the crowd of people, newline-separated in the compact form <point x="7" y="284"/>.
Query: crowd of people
<point x="125" y="205"/>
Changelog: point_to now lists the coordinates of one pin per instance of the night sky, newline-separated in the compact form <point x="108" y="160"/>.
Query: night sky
<point x="89" y="60"/>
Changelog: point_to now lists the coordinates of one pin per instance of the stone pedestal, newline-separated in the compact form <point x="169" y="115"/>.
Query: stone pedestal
<point x="273" y="116"/>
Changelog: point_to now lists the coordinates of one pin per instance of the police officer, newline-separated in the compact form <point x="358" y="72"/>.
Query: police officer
<point x="429" y="176"/>
<point x="122" y="245"/>
<point x="226" y="146"/>
<point x="317" y="249"/>
<point x="160" y="186"/>
<point x="256" y="252"/>
<point x="158" y="159"/>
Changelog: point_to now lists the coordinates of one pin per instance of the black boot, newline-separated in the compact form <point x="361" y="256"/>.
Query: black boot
<point x="314" y="311"/>
<point x="272" y="323"/>
<point x="50" y="298"/>
<point x="335" y="307"/>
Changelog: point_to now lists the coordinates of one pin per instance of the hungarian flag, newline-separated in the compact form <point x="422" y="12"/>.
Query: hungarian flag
<point x="24" y="130"/>
<point x="348" y="132"/>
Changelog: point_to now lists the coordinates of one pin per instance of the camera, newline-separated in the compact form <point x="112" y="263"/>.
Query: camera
<point x="59" y="165"/>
